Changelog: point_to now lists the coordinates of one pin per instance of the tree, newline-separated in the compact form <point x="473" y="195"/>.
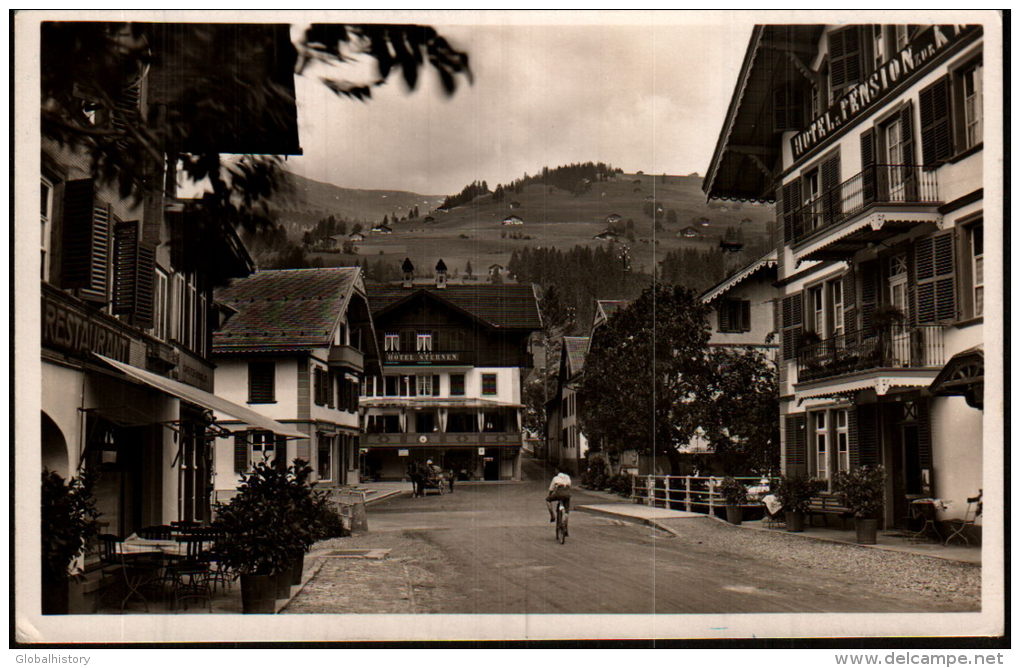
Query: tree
<point x="467" y="269"/>
<point x="356" y="229"/>
<point x="738" y="409"/>
<point x="306" y="239"/>
<point x="534" y="404"/>
<point x="91" y="74"/>
<point x="642" y="374"/>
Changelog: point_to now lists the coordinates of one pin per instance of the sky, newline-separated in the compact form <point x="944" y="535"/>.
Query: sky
<point x="640" y="97"/>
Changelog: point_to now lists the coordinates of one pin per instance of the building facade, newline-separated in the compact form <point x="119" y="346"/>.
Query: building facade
<point x="874" y="155"/>
<point x="452" y="359"/>
<point x="743" y="306"/>
<point x="567" y="444"/>
<point x="127" y="307"/>
<point x="293" y="347"/>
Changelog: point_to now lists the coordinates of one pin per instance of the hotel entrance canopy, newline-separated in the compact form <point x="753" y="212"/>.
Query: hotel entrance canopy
<point x="202" y="398"/>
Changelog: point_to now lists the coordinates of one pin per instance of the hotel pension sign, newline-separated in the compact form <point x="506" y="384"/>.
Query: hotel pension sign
<point x="421" y="358"/>
<point x="866" y="94"/>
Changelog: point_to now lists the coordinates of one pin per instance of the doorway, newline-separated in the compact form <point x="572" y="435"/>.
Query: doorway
<point x="490" y="471"/>
<point x="907" y="475"/>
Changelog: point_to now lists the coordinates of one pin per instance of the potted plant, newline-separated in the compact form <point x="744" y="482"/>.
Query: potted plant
<point x="735" y="495"/>
<point x="259" y="537"/>
<point x="68" y="520"/>
<point x="862" y="490"/>
<point x="795" y="492"/>
<point x="308" y="515"/>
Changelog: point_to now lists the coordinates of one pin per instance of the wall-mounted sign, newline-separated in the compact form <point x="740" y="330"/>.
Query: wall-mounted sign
<point x="882" y="81"/>
<point x="74" y="331"/>
<point x="403" y="453"/>
<point x="481" y="451"/>
<point x="421" y="358"/>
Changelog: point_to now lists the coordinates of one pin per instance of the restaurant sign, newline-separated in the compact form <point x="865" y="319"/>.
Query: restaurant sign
<point x="421" y="358"/>
<point x="77" y="332"/>
<point x="868" y="93"/>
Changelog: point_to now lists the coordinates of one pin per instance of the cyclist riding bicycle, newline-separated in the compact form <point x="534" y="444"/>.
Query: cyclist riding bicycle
<point x="559" y="490"/>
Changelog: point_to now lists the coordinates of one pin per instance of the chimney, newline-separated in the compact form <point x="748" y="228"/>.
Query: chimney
<point x="440" y="274"/>
<point x="408" y="269"/>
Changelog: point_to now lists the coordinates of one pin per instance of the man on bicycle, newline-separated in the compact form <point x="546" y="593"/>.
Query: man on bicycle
<point x="559" y="490"/>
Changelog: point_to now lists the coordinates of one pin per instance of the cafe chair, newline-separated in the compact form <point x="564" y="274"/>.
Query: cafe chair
<point x="970" y="516"/>
<point x="160" y="532"/>
<point x="142" y="573"/>
<point x="190" y="576"/>
<point x="109" y="567"/>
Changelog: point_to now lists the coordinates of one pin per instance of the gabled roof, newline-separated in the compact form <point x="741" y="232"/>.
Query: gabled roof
<point x="285" y="310"/>
<point x="607" y="307"/>
<point x="767" y="261"/>
<point x="574" y="349"/>
<point x="748" y="148"/>
<point x="504" y="306"/>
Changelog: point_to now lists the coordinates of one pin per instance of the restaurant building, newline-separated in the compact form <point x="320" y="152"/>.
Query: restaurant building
<point x="453" y="358"/>
<point x="872" y="149"/>
<point x="127" y="307"/>
<point x="292" y="348"/>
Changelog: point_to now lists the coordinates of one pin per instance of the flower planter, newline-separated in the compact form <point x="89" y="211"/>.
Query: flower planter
<point x="258" y="594"/>
<point x="734" y="514"/>
<point x="794" y="521"/>
<point x="283" y="583"/>
<point x="297" y="570"/>
<point x="55" y="596"/>
<point x="867" y="531"/>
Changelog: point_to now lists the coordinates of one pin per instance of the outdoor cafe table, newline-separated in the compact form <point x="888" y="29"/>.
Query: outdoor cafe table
<point x="133" y="545"/>
<point x="143" y="560"/>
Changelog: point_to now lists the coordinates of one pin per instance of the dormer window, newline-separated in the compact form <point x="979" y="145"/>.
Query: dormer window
<point x="424" y="343"/>
<point x="391" y="343"/>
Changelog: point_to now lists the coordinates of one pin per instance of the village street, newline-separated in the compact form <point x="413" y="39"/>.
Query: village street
<point x="489" y="548"/>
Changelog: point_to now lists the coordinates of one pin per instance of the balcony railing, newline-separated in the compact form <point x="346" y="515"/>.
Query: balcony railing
<point x="441" y="439"/>
<point x="876" y="185"/>
<point x="891" y="347"/>
<point x="348" y="356"/>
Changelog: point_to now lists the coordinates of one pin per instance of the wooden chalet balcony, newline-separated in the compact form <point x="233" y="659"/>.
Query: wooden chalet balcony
<point x="347" y="356"/>
<point x="893" y="347"/>
<point x="442" y="439"/>
<point x="880" y="202"/>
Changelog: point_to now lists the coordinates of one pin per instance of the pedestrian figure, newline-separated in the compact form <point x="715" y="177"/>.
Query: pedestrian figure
<point x="414" y="473"/>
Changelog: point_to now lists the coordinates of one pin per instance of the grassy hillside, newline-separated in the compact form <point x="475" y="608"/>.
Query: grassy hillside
<point x="557" y="218"/>
<point x="303" y="202"/>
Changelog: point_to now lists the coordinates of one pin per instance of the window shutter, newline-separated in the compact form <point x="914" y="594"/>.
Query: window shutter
<point x="331" y="388"/>
<point x="869" y="190"/>
<point x="863" y="435"/>
<point x="796" y="445"/>
<point x="910" y="174"/>
<point x="924" y="455"/>
<point x="240" y="451"/>
<point x="724" y="316"/>
<point x="85" y="245"/>
<point x="853" y="440"/>
<point x="849" y="304"/>
<point x="869" y="294"/>
<point x="745" y="315"/>
<point x="832" y="203"/>
<point x="934" y="269"/>
<point x="126" y="111"/>
<point x="935" y="105"/>
<point x="793" y="318"/>
<point x="281" y="452"/>
<point x="134" y="266"/>
<point x="791" y="201"/>
<point x="844" y="58"/>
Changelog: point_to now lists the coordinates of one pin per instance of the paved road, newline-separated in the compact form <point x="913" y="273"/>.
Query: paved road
<point x="491" y="549"/>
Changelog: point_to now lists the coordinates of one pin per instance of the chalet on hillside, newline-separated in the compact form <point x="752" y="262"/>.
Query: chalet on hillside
<point x="613" y="218"/>
<point x="606" y="235"/>
<point x="689" y="232"/>
<point x="382" y="229"/>
<point x="356" y="237"/>
<point x="513" y="220"/>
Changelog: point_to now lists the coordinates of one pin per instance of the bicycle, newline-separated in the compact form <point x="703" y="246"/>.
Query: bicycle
<point x="561" y="523"/>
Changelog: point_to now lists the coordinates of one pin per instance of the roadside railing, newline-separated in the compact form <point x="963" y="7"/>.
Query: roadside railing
<point x="696" y="494"/>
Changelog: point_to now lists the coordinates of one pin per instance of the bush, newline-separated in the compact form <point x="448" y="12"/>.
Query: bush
<point x="621" y="484"/>
<point x="68" y="516"/>
<point x="329" y="522"/>
<point x="862" y="490"/>
<point x="733" y="492"/>
<point x="596" y="474"/>
<point x="795" y="492"/>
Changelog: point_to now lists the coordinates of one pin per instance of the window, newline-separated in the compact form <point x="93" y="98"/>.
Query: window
<point x="811" y="190"/>
<point x="325" y="457"/>
<point x="901" y="37"/>
<point x="934" y="277"/>
<point x="391" y="386"/>
<point x="46" y="212"/>
<point x="161" y="306"/>
<point x="836" y="299"/>
<point x="261" y="382"/>
<point x="977" y="255"/>
<point x="878" y="47"/>
<point x="488" y="383"/>
<point x="425" y="386"/>
<point x="391" y="343"/>
<point x="969" y="93"/>
<point x="821" y="447"/>
<point x="425" y="422"/>
<point x="263" y="447"/>
<point x="734" y="315"/>
<point x="845" y="59"/>
<point x="408" y="386"/>
<point x="322" y="388"/>
<point x="424" y="343"/>
<point x="816" y="301"/>
<point x="842" y="441"/>
<point x="176" y="307"/>
<point x="456" y="385"/>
